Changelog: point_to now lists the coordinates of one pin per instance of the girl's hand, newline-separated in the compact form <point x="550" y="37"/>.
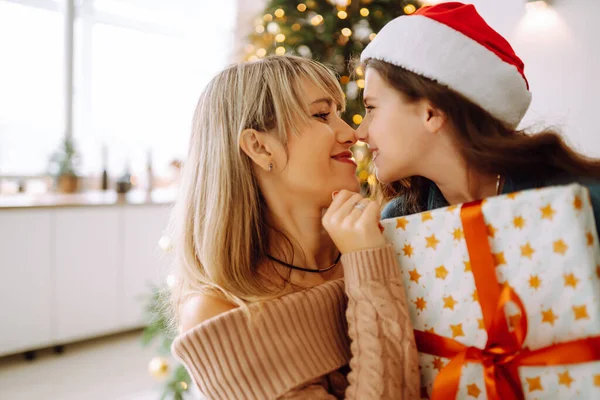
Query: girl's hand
<point x="352" y="221"/>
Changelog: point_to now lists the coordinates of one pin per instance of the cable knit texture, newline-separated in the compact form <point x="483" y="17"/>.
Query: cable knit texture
<point x="298" y="346"/>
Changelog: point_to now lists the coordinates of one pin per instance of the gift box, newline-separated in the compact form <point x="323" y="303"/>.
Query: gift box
<point x="504" y="295"/>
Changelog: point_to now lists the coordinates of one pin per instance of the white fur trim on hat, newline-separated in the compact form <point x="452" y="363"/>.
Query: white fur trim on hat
<point x="438" y="52"/>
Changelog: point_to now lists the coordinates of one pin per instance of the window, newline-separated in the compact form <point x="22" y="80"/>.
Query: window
<point x="139" y="68"/>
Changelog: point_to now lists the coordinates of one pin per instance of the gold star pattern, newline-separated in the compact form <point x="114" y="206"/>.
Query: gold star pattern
<point x="499" y="258"/>
<point x="475" y="296"/>
<point x="565" y="379"/>
<point x="527" y="251"/>
<point x="560" y="247"/>
<point x="468" y="266"/>
<point x="580" y="312"/>
<point x="449" y="302"/>
<point x="547" y="212"/>
<point x="535" y="384"/>
<point x="426" y="216"/>
<point x="549" y="317"/>
<point x="535" y="282"/>
<point x="512" y="196"/>
<point x="438" y="363"/>
<point x="441" y="272"/>
<point x="414" y="275"/>
<point x="590" y="238"/>
<point x="452" y="208"/>
<point x="473" y="390"/>
<point x="457" y="330"/>
<point x="430" y="330"/>
<point x="432" y="242"/>
<point x="408" y="250"/>
<point x="597" y="380"/>
<point x="519" y="222"/>
<point x="458" y="234"/>
<point x="577" y="203"/>
<point x="491" y="231"/>
<point x="481" y="323"/>
<point x="401" y="223"/>
<point x="420" y="303"/>
<point x="571" y="280"/>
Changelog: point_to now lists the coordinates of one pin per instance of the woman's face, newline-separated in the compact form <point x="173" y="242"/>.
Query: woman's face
<point x="394" y="130"/>
<point x="318" y="159"/>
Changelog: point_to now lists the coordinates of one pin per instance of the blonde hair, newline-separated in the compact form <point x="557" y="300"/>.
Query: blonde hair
<point x="218" y="224"/>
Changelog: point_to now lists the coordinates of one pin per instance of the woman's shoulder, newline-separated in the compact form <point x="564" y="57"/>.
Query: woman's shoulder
<point x="202" y="307"/>
<point x="236" y="351"/>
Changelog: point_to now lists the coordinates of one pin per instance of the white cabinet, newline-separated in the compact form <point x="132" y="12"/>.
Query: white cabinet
<point x="73" y="273"/>
<point x="26" y="280"/>
<point x="145" y="264"/>
<point x="88" y="274"/>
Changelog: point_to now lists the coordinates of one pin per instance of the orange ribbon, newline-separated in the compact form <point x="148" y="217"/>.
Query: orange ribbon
<point x="503" y="353"/>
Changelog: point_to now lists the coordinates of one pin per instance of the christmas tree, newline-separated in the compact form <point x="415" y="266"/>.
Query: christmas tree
<point x="333" y="32"/>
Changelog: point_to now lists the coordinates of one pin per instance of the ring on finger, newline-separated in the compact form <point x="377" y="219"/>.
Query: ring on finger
<point x="360" y="206"/>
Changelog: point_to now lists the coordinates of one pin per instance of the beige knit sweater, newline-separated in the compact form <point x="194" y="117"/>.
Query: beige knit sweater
<point x="297" y="346"/>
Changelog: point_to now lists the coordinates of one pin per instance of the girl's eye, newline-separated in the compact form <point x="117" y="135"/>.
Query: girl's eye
<point x="369" y="108"/>
<point x="322" y="116"/>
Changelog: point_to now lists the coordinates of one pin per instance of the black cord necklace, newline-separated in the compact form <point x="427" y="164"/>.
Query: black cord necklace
<point x="306" y="269"/>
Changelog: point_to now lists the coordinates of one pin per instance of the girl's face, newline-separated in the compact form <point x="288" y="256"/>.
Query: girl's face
<point x="394" y="128"/>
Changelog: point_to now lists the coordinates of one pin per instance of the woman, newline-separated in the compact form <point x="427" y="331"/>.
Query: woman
<point x="262" y="306"/>
<point x="444" y="94"/>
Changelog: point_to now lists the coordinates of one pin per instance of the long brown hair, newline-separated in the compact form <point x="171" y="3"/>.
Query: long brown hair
<point x="485" y="143"/>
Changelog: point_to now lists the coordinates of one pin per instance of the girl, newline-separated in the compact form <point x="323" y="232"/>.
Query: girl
<point x="444" y="94"/>
<point x="262" y="309"/>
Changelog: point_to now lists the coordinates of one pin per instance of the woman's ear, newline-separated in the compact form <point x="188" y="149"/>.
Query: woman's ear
<point x="257" y="145"/>
<point x="434" y="119"/>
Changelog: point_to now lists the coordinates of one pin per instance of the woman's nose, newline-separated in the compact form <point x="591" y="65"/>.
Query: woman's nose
<point x="346" y="134"/>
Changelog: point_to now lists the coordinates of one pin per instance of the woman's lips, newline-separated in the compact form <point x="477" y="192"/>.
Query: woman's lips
<point x="345" y="157"/>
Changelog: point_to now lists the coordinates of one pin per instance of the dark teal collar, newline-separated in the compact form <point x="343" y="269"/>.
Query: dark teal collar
<point x="436" y="198"/>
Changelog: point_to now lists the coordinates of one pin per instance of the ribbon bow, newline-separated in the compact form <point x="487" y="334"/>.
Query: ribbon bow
<point x="503" y="353"/>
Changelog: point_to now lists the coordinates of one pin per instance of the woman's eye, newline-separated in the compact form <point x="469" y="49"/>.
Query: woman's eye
<point x="369" y="108"/>
<point x="322" y="116"/>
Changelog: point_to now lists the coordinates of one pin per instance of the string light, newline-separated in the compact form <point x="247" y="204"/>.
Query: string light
<point x="170" y="280"/>
<point x="359" y="71"/>
<point x="183" y="385"/>
<point x="360" y="83"/>
<point x="301" y="7"/>
<point x="342" y="14"/>
<point x="249" y="48"/>
<point x="357" y="119"/>
<point x="316" y="20"/>
<point x="364" y="12"/>
<point x="260" y="29"/>
<point x="280" y="50"/>
<point x="279" y="13"/>
<point x="296" y="27"/>
<point x="372" y="36"/>
<point x="261" y="52"/>
<point x="347" y="32"/>
<point x="372" y="180"/>
<point x="268" y="18"/>
<point x="280" y="38"/>
<point x="252" y="58"/>
<point x="410" y="9"/>
<point x="344" y="79"/>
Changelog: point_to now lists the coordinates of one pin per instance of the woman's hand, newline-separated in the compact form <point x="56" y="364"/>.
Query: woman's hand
<point x="353" y="222"/>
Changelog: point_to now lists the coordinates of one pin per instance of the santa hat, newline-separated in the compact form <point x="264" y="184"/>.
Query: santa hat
<point x="451" y="44"/>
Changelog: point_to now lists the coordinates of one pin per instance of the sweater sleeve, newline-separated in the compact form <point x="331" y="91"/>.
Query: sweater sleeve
<point x="384" y="363"/>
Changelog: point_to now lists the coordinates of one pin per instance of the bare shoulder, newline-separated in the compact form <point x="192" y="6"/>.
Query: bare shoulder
<point x="202" y="307"/>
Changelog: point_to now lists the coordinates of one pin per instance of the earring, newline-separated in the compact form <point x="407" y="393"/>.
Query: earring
<point x="270" y="167"/>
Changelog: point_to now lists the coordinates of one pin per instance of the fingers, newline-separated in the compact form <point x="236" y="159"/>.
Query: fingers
<point x="348" y="207"/>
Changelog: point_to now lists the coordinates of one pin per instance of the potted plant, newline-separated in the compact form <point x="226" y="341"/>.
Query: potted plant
<point x="63" y="167"/>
